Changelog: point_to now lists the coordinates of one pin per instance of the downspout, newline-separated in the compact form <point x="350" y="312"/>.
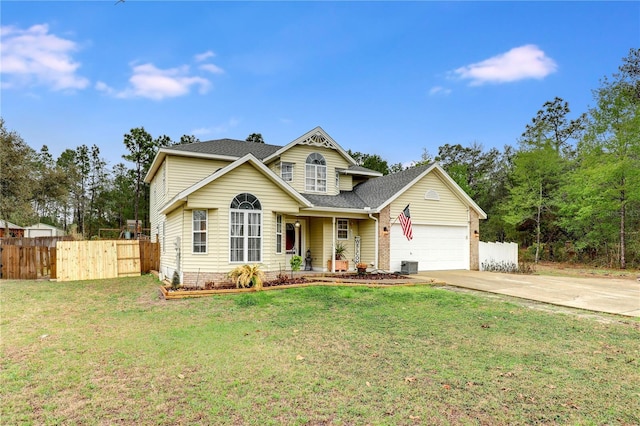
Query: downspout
<point x="333" y="244"/>
<point x="375" y="258"/>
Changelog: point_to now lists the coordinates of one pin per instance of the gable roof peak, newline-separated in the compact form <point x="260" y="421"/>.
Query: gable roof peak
<point x="314" y="137"/>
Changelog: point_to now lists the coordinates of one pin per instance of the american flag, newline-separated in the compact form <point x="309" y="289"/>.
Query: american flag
<point x="405" y="222"/>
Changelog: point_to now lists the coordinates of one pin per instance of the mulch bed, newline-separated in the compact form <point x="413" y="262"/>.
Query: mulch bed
<point x="210" y="288"/>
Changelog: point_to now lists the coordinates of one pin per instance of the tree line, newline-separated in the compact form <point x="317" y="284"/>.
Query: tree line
<point x="569" y="188"/>
<point x="77" y="191"/>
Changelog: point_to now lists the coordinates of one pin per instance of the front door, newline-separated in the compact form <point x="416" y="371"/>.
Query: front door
<point x="293" y="238"/>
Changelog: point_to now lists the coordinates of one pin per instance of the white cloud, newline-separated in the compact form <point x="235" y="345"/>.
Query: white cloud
<point x="204" y="56"/>
<point x="519" y="63"/>
<point x="214" y="69"/>
<point x="36" y="57"/>
<point x="218" y="129"/>
<point x="148" y="81"/>
<point x="103" y="87"/>
<point x="435" y="90"/>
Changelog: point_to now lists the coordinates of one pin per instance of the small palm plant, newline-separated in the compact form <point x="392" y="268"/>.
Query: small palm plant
<point x="246" y="276"/>
<point x="341" y="249"/>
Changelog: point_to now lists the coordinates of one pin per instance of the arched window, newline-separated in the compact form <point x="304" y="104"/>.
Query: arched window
<point x="316" y="173"/>
<point x="246" y="202"/>
<point x="245" y="229"/>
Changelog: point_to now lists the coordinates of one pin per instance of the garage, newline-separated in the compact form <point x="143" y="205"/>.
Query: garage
<point x="433" y="247"/>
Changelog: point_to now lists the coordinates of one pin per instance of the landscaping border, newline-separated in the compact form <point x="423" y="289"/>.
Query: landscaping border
<point x="318" y="281"/>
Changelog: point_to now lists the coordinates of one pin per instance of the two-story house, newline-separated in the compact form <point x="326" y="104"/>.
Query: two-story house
<point x="222" y="203"/>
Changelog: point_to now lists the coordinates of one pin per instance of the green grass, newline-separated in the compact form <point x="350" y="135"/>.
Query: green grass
<point x="112" y="352"/>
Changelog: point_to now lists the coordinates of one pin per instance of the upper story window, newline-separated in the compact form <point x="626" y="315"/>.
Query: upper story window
<point x="286" y="171"/>
<point x="337" y="180"/>
<point x="245" y="229"/>
<point x="316" y="173"/>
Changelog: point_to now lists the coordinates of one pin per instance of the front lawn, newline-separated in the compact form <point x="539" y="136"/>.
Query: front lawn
<point x="112" y="352"/>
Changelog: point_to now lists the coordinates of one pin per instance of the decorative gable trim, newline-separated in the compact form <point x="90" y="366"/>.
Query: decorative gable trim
<point x="319" y="140"/>
<point x="316" y="137"/>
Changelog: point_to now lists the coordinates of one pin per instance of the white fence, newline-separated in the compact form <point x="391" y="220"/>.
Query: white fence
<point x="494" y="256"/>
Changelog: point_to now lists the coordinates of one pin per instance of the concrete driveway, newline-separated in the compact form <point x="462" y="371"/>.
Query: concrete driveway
<point x="616" y="296"/>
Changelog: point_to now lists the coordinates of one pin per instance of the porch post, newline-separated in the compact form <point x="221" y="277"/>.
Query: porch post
<point x="333" y="244"/>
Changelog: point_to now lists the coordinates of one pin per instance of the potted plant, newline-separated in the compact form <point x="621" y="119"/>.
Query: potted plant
<point x="342" y="264"/>
<point x="361" y="267"/>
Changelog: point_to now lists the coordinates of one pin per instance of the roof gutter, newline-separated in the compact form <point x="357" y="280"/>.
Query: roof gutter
<point x="365" y="210"/>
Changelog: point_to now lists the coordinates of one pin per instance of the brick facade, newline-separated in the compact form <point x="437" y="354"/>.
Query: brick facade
<point x="474" y="240"/>
<point x="384" y="239"/>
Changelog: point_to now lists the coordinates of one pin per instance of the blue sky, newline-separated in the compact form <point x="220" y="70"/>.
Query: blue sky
<point x="390" y="78"/>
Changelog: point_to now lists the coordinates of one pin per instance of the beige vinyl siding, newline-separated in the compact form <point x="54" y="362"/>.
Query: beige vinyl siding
<point x="448" y="210"/>
<point x="217" y="197"/>
<point x="157" y="197"/>
<point x="316" y="243"/>
<point x="367" y="229"/>
<point x="346" y="182"/>
<point x="182" y="172"/>
<point x="169" y="254"/>
<point x="298" y="155"/>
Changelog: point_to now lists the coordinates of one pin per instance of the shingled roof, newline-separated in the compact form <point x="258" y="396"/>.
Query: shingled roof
<point x="344" y="200"/>
<point x="229" y="148"/>
<point x="376" y="191"/>
<point x="372" y="193"/>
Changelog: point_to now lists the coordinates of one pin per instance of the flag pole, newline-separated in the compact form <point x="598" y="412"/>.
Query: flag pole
<point x="396" y="219"/>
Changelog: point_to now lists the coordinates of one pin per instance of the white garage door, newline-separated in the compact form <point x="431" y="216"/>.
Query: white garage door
<point x="433" y="247"/>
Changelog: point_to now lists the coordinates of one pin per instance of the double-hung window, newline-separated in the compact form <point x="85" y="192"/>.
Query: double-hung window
<point x="199" y="231"/>
<point x="343" y="229"/>
<point x="316" y="173"/>
<point x="286" y="172"/>
<point x="245" y="229"/>
<point x="279" y="234"/>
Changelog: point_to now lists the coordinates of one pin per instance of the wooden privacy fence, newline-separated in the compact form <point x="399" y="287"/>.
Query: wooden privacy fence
<point x="27" y="262"/>
<point x="91" y="260"/>
<point x="79" y="260"/>
<point x="149" y="256"/>
<point x="34" y="241"/>
<point x="23" y="258"/>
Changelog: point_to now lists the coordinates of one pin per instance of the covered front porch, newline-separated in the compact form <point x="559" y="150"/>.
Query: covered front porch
<point x="317" y="237"/>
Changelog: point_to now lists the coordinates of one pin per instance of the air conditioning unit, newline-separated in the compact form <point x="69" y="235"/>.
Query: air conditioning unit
<point x="408" y="267"/>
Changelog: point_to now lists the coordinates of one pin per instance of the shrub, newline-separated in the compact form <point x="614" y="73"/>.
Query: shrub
<point x="508" y="267"/>
<point x="247" y="276"/>
<point x="175" y="281"/>
<point x="296" y="263"/>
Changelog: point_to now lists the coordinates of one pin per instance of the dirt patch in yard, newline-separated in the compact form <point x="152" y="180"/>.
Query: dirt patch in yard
<point x="580" y="270"/>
